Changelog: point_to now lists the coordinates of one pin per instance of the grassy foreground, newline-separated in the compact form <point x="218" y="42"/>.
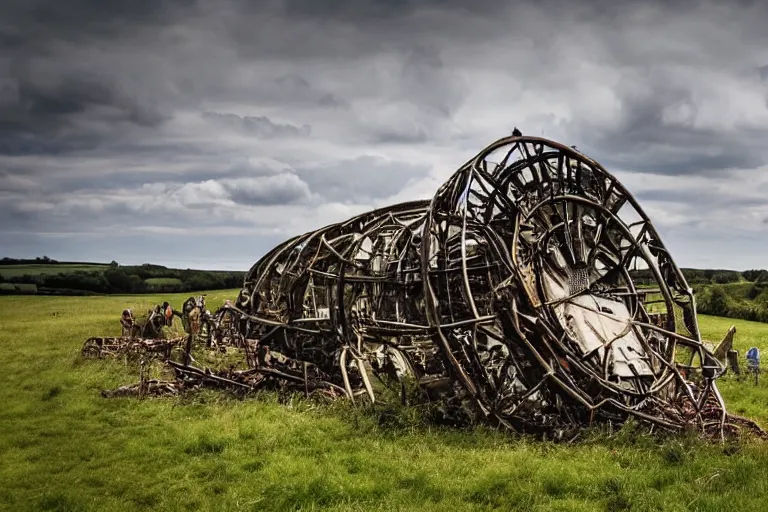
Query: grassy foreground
<point x="63" y="447"/>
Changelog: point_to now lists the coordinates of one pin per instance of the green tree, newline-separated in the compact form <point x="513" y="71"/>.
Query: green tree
<point x="718" y="302"/>
<point x="725" y="277"/>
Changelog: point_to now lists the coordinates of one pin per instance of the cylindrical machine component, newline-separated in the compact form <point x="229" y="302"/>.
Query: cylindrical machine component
<point x="524" y="289"/>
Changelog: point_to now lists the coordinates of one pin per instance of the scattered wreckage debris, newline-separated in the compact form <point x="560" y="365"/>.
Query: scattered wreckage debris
<point x="102" y="347"/>
<point x="150" y="387"/>
<point x="513" y="294"/>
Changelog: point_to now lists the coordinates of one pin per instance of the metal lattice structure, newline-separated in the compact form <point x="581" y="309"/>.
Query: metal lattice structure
<point x="531" y="292"/>
<point x="512" y="293"/>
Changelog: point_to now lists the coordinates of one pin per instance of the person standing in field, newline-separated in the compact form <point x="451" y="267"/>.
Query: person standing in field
<point x="127" y="322"/>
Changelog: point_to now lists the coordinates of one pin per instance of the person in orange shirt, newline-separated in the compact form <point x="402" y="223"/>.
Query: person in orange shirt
<point x="168" y="314"/>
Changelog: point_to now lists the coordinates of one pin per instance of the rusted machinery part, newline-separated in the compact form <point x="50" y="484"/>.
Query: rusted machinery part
<point x="531" y="289"/>
<point x="108" y="346"/>
<point x="152" y="387"/>
<point x="91" y="348"/>
<point x="516" y="288"/>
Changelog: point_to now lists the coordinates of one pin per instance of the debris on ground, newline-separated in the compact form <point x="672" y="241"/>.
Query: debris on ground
<point x="99" y="347"/>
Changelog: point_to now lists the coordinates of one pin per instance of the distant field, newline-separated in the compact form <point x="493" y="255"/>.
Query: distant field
<point x="738" y="290"/>
<point x="34" y="269"/>
<point x="162" y="281"/>
<point x="64" y="447"/>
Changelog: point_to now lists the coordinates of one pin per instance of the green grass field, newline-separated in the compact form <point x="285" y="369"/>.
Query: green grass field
<point x="64" y="447"/>
<point x="34" y="269"/>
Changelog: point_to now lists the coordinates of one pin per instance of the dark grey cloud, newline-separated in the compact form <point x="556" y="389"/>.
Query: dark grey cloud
<point x="400" y="134"/>
<point x="30" y="24"/>
<point x="36" y="107"/>
<point x="292" y="87"/>
<point x="374" y="11"/>
<point x="650" y="137"/>
<point x="280" y="189"/>
<point x="132" y="119"/>
<point x="260" y="126"/>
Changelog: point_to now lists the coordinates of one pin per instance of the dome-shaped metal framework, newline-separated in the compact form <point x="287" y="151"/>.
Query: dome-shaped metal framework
<point x="532" y="287"/>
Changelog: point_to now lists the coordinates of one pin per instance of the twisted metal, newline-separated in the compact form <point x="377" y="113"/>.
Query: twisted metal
<point x="531" y="292"/>
<point x="513" y="293"/>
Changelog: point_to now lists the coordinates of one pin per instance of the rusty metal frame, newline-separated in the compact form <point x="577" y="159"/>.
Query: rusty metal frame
<point x="513" y="293"/>
<point x="474" y="293"/>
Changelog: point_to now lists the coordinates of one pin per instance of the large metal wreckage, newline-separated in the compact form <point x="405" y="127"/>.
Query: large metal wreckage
<point x="531" y="292"/>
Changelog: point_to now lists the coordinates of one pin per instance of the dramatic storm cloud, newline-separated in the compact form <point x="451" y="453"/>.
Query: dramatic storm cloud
<point x="200" y="133"/>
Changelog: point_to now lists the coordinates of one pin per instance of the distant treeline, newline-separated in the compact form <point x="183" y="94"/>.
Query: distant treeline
<point x="39" y="260"/>
<point x="744" y="300"/>
<point x="696" y="276"/>
<point x="727" y="293"/>
<point x="110" y="278"/>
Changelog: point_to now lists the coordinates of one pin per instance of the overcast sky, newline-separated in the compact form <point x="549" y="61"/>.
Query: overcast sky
<point x="201" y="133"/>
